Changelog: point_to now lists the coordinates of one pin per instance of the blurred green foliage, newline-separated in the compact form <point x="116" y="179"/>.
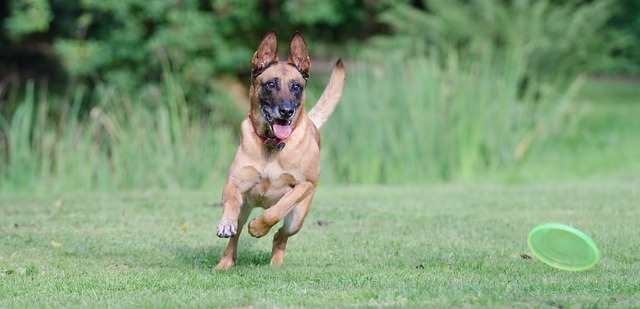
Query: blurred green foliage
<point x="626" y="23"/>
<point x="145" y="89"/>
<point x="28" y="16"/>
<point x="129" y="43"/>
<point x="551" y="39"/>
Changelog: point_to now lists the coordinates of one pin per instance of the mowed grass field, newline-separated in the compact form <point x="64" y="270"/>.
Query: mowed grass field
<point x="366" y="245"/>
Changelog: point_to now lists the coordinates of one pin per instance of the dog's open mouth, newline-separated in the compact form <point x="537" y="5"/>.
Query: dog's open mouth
<point x="281" y="130"/>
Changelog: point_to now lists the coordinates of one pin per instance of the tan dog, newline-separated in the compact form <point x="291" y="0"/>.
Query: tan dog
<point x="277" y="164"/>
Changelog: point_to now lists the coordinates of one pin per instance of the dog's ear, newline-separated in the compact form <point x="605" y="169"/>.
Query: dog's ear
<point x="299" y="55"/>
<point x="265" y="55"/>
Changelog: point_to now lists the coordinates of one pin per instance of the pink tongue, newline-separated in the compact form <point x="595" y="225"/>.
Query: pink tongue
<point x="281" y="131"/>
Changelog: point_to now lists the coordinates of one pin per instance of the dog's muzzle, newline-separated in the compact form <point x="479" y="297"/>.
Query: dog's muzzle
<point x="279" y="118"/>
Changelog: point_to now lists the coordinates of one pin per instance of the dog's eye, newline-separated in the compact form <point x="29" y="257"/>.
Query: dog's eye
<point x="295" y="88"/>
<point x="270" y="84"/>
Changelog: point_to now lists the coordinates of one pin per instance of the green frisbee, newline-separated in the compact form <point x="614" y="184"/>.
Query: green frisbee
<point x="563" y="247"/>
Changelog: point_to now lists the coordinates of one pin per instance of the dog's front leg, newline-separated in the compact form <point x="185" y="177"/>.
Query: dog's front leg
<point x="292" y="224"/>
<point x="234" y="213"/>
<point x="261" y="225"/>
<point x="231" y="204"/>
<point x="230" y="254"/>
<point x="234" y="216"/>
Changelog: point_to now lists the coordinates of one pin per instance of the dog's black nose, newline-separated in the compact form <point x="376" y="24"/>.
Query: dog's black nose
<point x="286" y="111"/>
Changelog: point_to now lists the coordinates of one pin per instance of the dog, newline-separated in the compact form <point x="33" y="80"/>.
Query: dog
<point x="277" y="165"/>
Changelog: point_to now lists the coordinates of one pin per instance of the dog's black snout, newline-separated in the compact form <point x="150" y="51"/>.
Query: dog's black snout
<point x="286" y="111"/>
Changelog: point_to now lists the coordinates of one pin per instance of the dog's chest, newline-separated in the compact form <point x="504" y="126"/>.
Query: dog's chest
<point x="273" y="182"/>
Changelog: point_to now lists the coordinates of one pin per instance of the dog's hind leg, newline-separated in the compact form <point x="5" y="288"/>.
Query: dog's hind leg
<point x="261" y="225"/>
<point x="230" y="254"/>
<point x="292" y="224"/>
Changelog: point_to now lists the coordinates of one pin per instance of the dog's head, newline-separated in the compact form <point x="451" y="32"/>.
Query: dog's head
<point x="277" y="87"/>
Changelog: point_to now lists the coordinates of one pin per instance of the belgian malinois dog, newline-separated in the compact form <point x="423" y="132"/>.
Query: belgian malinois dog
<point x="277" y="164"/>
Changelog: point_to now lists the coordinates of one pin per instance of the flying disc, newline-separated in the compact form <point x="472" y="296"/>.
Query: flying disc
<point x="563" y="247"/>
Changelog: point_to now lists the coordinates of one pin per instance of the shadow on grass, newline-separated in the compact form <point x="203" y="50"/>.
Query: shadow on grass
<point x="207" y="257"/>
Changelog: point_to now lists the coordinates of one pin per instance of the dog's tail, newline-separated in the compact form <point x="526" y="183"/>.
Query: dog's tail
<point x="330" y="96"/>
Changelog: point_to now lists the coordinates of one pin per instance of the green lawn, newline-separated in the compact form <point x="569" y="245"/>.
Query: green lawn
<point x="432" y="245"/>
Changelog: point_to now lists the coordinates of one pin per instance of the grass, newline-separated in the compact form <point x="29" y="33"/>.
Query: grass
<point x="431" y="122"/>
<point x="602" y="143"/>
<point x="122" y="143"/>
<point x="367" y="245"/>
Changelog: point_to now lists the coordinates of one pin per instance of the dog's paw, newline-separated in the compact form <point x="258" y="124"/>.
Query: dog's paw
<point x="277" y="259"/>
<point x="224" y="264"/>
<point x="257" y="228"/>
<point x="226" y="228"/>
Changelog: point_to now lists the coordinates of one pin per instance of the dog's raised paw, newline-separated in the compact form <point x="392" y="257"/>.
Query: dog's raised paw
<point x="257" y="228"/>
<point x="226" y="228"/>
